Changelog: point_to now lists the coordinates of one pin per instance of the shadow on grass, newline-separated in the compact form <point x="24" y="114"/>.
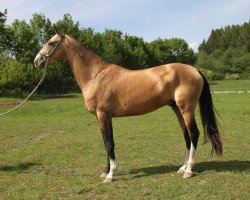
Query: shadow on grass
<point x="220" y="166"/>
<point x="149" y="171"/>
<point x="200" y="168"/>
<point x="18" y="168"/>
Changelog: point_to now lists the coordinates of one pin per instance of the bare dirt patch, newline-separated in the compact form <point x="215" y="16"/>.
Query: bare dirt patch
<point x="9" y="104"/>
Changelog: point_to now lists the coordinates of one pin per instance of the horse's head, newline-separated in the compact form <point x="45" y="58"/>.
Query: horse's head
<point x="52" y="50"/>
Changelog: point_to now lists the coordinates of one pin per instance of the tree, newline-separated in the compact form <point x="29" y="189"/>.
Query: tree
<point x="41" y="28"/>
<point x="226" y="51"/>
<point x="171" y="50"/>
<point x="17" y="74"/>
<point x="5" y="34"/>
<point x="181" y="51"/>
<point x="87" y="38"/>
<point x="17" y="77"/>
<point x="160" y="51"/>
<point x="26" y="45"/>
<point x="137" y="53"/>
<point x="67" y="25"/>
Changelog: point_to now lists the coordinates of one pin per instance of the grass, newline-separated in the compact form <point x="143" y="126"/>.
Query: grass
<point x="230" y="85"/>
<point x="53" y="149"/>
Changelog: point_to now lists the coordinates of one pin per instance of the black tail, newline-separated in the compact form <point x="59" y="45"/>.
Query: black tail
<point x="208" y="118"/>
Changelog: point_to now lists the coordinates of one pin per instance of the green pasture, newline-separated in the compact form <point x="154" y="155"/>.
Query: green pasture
<point x="230" y="85"/>
<point x="53" y="149"/>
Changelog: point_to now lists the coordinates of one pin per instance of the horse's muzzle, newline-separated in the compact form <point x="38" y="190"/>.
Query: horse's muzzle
<point x="39" y="61"/>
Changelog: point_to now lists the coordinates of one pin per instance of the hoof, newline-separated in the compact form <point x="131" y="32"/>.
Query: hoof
<point x="187" y="174"/>
<point x="103" y="175"/>
<point x="180" y="171"/>
<point x="108" y="180"/>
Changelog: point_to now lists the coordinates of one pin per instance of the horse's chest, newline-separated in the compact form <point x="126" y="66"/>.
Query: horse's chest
<point x="95" y="101"/>
<point x="90" y="105"/>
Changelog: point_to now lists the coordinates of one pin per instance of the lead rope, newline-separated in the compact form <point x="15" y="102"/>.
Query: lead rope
<point x="39" y="83"/>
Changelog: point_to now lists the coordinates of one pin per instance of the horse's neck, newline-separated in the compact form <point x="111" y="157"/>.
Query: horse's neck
<point x="84" y="63"/>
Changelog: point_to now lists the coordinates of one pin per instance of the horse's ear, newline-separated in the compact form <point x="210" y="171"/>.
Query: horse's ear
<point x="58" y="31"/>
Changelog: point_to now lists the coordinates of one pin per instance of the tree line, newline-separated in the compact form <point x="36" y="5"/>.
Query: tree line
<point x="226" y="53"/>
<point x="20" y="42"/>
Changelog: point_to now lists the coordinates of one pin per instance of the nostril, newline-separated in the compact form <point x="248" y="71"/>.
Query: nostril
<point x="35" y="63"/>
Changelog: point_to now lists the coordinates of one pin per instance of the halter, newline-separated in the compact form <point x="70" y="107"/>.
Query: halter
<point x="49" y="54"/>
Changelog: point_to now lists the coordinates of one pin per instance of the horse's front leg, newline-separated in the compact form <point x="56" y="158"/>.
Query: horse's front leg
<point x="105" y="123"/>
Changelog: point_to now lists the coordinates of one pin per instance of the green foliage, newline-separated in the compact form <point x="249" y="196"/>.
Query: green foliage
<point x="58" y="75"/>
<point x="230" y="61"/>
<point x="227" y="52"/>
<point x="208" y="73"/>
<point x="114" y="46"/>
<point x="5" y="35"/>
<point x="2" y="30"/>
<point x="235" y="36"/>
<point x="17" y="77"/>
<point x="138" y="55"/>
<point x="42" y="28"/>
<point x="25" y="45"/>
<point x="173" y="50"/>
<point x="232" y="77"/>
<point x="68" y="26"/>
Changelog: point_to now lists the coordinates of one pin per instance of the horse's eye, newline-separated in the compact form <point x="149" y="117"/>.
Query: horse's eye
<point x="51" y="44"/>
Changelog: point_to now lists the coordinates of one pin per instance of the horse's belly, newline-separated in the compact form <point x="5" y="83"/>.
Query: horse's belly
<point x="139" y="106"/>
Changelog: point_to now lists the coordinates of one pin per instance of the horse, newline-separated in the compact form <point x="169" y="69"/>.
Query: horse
<point x="112" y="91"/>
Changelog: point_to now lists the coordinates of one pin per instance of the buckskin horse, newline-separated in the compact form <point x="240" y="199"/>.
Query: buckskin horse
<point x="111" y="91"/>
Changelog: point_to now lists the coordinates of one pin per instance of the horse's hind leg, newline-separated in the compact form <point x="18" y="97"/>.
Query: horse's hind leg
<point x="193" y="133"/>
<point x="186" y="137"/>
